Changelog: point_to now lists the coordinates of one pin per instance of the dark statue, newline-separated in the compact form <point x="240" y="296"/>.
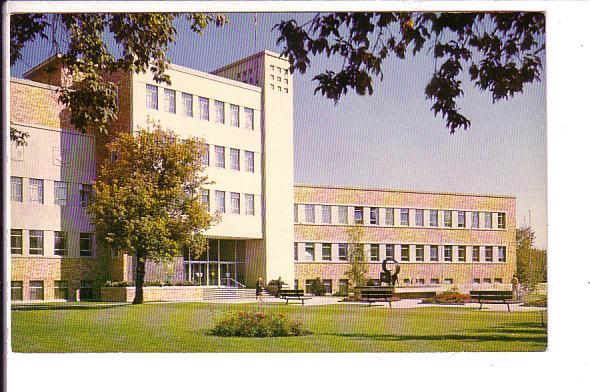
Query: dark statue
<point x="386" y="276"/>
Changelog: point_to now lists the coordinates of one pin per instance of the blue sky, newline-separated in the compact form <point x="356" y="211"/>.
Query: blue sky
<point x="390" y="139"/>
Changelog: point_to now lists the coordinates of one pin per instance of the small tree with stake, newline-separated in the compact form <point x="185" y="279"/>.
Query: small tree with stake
<point x="147" y="201"/>
<point x="357" y="263"/>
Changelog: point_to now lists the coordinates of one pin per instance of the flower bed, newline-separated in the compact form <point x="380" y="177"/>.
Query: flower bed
<point x="257" y="324"/>
<point x="450" y="297"/>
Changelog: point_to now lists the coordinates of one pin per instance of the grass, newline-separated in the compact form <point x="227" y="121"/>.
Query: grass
<point x="184" y="327"/>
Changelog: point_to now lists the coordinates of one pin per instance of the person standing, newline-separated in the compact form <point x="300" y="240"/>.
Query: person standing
<point x="515" y="288"/>
<point x="279" y="286"/>
<point x="259" y="292"/>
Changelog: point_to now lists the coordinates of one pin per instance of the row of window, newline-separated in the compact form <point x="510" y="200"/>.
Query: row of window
<point x="407" y="253"/>
<point x="235" y="161"/>
<point x="61" y="191"/>
<point x="236" y="200"/>
<point x="60" y="243"/>
<point x="37" y="290"/>
<point x="152" y="102"/>
<point x="386" y="216"/>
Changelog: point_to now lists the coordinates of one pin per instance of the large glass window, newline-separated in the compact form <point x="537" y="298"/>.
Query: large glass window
<point x="309" y="251"/>
<point x="419" y="252"/>
<point x="151" y="96"/>
<point x="85" y="194"/>
<point x="358" y="215"/>
<point x="36" y="190"/>
<point x="501" y="220"/>
<point x="249" y="114"/>
<point x="433" y="252"/>
<point x="86" y="244"/>
<point x="235" y="202"/>
<point x="448" y="218"/>
<point x="205" y="198"/>
<point x="16" y="290"/>
<point x="220" y="201"/>
<point x="295" y="251"/>
<point x="374" y="248"/>
<point x="234" y="159"/>
<point x="326" y="252"/>
<point x="234" y="115"/>
<point x="187" y="104"/>
<point x="460" y="218"/>
<point x="36" y="242"/>
<point x="343" y="215"/>
<point x="389" y="252"/>
<point x="342" y="252"/>
<point x="249" y="200"/>
<point x="309" y="213"/>
<point x="462" y="253"/>
<point x="489" y="254"/>
<point x="204" y="108"/>
<point x="433" y="218"/>
<point x="475" y="220"/>
<point x="36" y="291"/>
<point x="296" y="213"/>
<point x="327" y="285"/>
<point x="220" y="112"/>
<point x="206" y="156"/>
<point x="16" y="242"/>
<point x="389" y="216"/>
<point x="374" y="215"/>
<point x="16" y="189"/>
<point x="169" y="100"/>
<point x="60" y="243"/>
<point x="502" y="254"/>
<point x="249" y="161"/>
<point x="405" y="252"/>
<point x="61" y="289"/>
<point x="419" y="217"/>
<point x="60" y="193"/>
<point x="448" y="250"/>
<point x="475" y="253"/>
<point x="487" y="220"/>
<point x="220" y="157"/>
<point x="327" y="214"/>
<point x="405" y="217"/>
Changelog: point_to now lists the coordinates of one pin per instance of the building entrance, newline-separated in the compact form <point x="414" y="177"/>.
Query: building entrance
<point x="221" y="264"/>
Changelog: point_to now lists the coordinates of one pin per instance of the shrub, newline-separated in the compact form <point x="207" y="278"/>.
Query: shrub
<point x="150" y="284"/>
<point x="257" y="324"/>
<point x="317" y="287"/>
<point x="449" y="297"/>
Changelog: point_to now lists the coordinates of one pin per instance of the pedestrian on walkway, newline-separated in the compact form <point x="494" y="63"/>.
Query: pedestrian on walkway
<point x="515" y="288"/>
<point x="259" y="292"/>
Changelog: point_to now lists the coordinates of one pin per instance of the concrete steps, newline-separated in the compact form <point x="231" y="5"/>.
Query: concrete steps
<point x="230" y="293"/>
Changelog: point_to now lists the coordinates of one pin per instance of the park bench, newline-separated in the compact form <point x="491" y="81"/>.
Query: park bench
<point x="492" y="297"/>
<point x="294" y="295"/>
<point x="376" y="294"/>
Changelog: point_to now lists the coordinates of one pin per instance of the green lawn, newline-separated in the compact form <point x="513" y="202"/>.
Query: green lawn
<point x="183" y="327"/>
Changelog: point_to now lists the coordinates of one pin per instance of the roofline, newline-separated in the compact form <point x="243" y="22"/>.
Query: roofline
<point x="42" y="64"/>
<point x="213" y="77"/>
<point x="262" y="52"/>
<point x="33" y="83"/>
<point x="352" y="188"/>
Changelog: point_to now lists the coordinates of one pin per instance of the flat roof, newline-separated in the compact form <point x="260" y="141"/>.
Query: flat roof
<point x="353" y="188"/>
<point x="262" y="52"/>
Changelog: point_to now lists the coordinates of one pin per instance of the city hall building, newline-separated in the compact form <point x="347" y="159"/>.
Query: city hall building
<point x="269" y="227"/>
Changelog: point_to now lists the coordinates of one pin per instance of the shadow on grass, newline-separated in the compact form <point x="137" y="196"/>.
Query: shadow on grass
<point x="457" y="337"/>
<point x="65" y="307"/>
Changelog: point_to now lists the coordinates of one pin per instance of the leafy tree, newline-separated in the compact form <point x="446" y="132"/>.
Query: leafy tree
<point x="501" y="51"/>
<point x="141" y="42"/>
<point x="317" y="287"/>
<point x="147" y="202"/>
<point x="357" y="259"/>
<point x="531" y="263"/>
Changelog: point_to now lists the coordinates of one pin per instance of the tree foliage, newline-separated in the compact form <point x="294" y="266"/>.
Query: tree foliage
<point x="531" y="263"/>
<point x="500" y="51"/>
<point x="147" y="201"/>
<point x="141" y="42"/>
<point x="357" y="259"/>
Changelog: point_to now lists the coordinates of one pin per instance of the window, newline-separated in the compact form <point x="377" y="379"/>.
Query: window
<point x="419" y="252"/>
<point x="187" y="104"/>
<point x="475" y="253"/>
<point x="502" y="254"/>
<point x="487" y="220"/>
<point x="405" y="217"/>
<point x="249" y="200"/>
<point x="448" y="281"/>
<point x="220" y="112"/>
<point x="489" y="254"/>
<point x="326" y="252"/>
<point x="462" y="253"/>
<point x="309" y="251"/>
<point x="433" y="218"/>
<point x="296" y="213"/>
<point x="407" y="281"/>
<point x="86" y="244"/>
<point x="204" y="108"/>
<point x="461" y="218"/>
<point x="476" y="280"/>
<point x="60" y="243"/>
<point x="501" y="220"/>
<point x="448" y="218"/>
<point x="16" y="189"/>
<point x="405" y="252"/>
<point x="308" y="286"/>
<point x="296" y="284"/>
<point x="206" y="157"/>
<point x="16" y="290"/>
<point x="419" y="218"/>
<point x="374" y="252"/>
<point x="342" y="252"/>
<point x="61" y="289"/>
<point x="475" y="220"/>
<point x="421" y="281"/>
<point x="36" y="292"/>
<point x="86" y="289"/>
<point x="389" y="252"/>
<point x="151" y="96"/>
<point x="358" y="215"/>
<point x="205" y="198"/>
<point x="36" y="190"/>
<point x="327" y="285"/>
<point x="220" y="201"/>
<point x="16" y="242"/>
<point x="234" y="159"/>
<point x="309" y="213"/>
<point x="498" y="280"/>
<point x="220" y="157"/>
<point x="434" y="281"/>
<point x="295" y="251"/>
<point x="60" y="193"/>
<point x="36" y="242"/>
<point x="433" y="253"/>
<point x="374" y="215"/>
<point x="249" y="161"/>
<point x="487" y="280"/>
<point x="169" y="100"/>
<point x="448" y="250"/>
<point x="389" y="216"/>
<point x="327" y="214"/>
<point x="85" y="193"/>
<point x="234" y="115"/>
<point x="343" y="287"/>
<point x="249" y="114"/>
<point x="343" y="215"/>
<point x="234" y="199"/>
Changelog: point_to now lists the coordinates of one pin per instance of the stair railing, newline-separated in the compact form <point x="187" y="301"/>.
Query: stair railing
<point x="240" y="285"/>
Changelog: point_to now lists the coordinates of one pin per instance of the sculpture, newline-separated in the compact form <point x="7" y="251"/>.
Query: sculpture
<point x="386" y="276"/>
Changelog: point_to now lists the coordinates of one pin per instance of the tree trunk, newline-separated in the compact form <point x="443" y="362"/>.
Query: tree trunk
<point x="139" y="277"/>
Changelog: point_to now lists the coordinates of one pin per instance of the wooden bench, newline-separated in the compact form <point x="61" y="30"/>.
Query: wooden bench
<point x="492" y="297"/>
<point x="376" y="294"/>
<point x="294" y="295"/>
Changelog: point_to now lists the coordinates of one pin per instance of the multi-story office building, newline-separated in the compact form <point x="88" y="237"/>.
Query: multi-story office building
<point x="442" y="240"/>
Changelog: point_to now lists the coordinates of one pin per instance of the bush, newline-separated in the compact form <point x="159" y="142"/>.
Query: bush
<point x="317" y="287"/>
<point x="150" y="284"/>
<point x="449" y="297"/>
<point x="257" y="324"/>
